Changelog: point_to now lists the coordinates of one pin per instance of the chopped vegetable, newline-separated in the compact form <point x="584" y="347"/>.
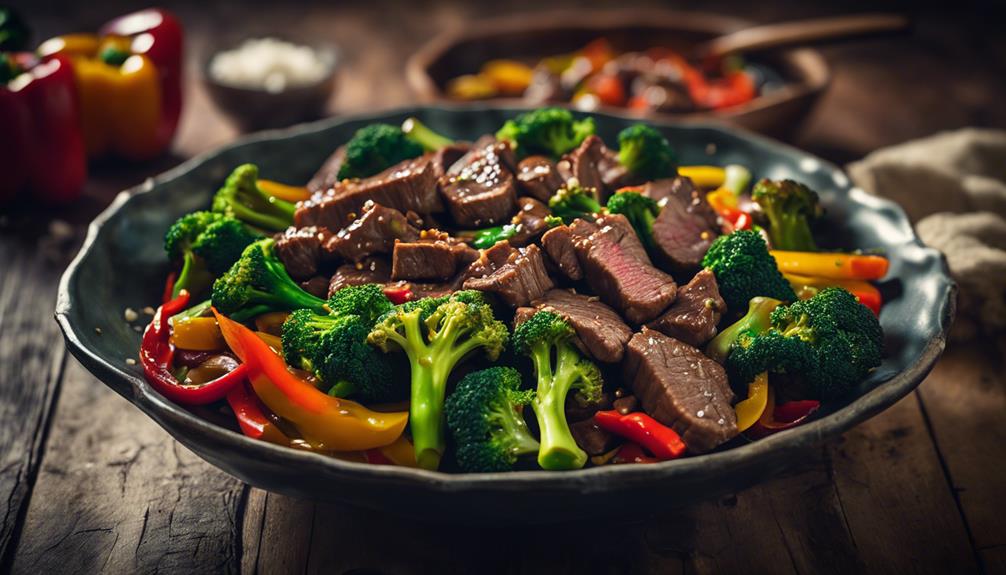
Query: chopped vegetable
<point x="832" y="265"/>
<point x="241" y="198"/>
<point x="662" y="441"/>
<point x="750" y="410"/>
<point x="251" y="419"/>
<point x="745" y="269"/>
<point x="197" y="334"/>
<point x="641" y="212"/>
<point x="778" y="417"/>
<point x="574" y="201"/>
<point x="424" y="136"/>
<point x="375" y="148"/>
<point x="807" y="287"/>
<point x="207" y="244"/>
<point x="755" y="321"/>
<point x="791" y="208"/>
<point x="646" y="152"/>
<point x="548" y="131"/>
<point x="284" y="192"/>
<point x="706" y="177"/>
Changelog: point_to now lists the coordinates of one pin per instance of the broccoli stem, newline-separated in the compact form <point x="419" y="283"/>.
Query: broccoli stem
<point x="193" y="276"/>
<point x="421" y="134"/>
<point x="558" y="448"/>
<point x="791" y="231"/>
<point x="264" y="221"/>
<point x="516" y="428"/>
<point x="487" y="238"/>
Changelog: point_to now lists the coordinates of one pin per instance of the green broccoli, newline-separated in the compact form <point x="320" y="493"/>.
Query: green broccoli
<point x="485" y="417"/>
<point x="241" y="198"/>
<point x="367" y="301"/>
<point x="641" y="212"/>
<point x="421" y="134"/>
<point x="754" y="322"/>
<point x="574" y="201"/>
<point x="488" y="237"/>
<point x="375" y="148"/>
<point x="258" y="283"/>
<point x="560" y="368"/>
<point x="207" y="244"/>
<point x="828" y="342"/>
<point x="548" y="131"/>
<point x="790" y="208"/>
<point x="436" y="334"/>
<point x="745" y="269"/>
<point x="646" y="153"/>
<point x="334" y="348"/>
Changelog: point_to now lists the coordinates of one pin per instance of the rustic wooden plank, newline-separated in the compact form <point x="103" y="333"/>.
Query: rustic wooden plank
<point x="895" y="496"/>
<point x="115" y="493"/>
<point x="285" y="538"/>
<point x="965" y="400"/>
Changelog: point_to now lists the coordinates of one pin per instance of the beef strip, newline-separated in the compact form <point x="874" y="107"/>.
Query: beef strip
<point x="558" y="243"/>
<point x="374" y="232"/>
<point x="479" y="188"/>
<point x="300" y="250"/>
<point x="591" y="438"/>
<point x="529" y="220"/>
<point x="316" y="286"/>
<point x="408" y="185"/>
<point x="681" y="236"/>
<point x="372" y="270"/>
<point x="682" y="388"/>
<point x="516" y="275"/>
<point x="433" y="256"/>
<point x="694" y="315"/>
<point x="447" y="156"/>
<point x="538" y="177"/>
<point x="582" y="164"/>
<point x="617" y="268"/>
<point x="328" y="175"/>
<point x="599" y="328"/>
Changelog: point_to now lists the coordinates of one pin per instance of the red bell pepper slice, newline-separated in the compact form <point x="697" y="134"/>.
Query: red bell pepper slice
<point x="782" y="416"/>
<point x="399" y="295"/>
<point x="253" y="421"/>
<point x="662" y="441"/>
<point x="633" y="453"/>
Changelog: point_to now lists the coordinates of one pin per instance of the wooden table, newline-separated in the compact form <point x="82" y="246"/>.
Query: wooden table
<point x="89" y="483"/>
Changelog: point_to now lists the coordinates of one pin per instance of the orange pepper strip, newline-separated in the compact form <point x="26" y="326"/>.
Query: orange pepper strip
<point x="750" y="410"/>
<point x="284" y="191"/>
<point x="831" y="265"/>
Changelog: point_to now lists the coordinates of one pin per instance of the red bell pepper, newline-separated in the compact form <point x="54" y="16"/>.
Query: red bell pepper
<point x="662" y="441"/>
<point x="157" y="353"/>
<point x="399" y="295"/>
<point x="41" y="148"/>
<point x="633" y="453"/>
<point x="783" y="416"/>
<point x="253" y="421"/>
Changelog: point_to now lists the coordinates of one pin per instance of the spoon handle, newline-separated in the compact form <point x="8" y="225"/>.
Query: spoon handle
<point x="770" y="36"/>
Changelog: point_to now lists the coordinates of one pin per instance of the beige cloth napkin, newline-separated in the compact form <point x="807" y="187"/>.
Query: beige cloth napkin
<point x="953" y="187"/>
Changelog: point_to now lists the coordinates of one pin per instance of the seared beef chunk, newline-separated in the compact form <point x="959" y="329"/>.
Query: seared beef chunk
<point x="626" y="404"/>
<point x="602" y="332"/>
<point x="434" y="289"/>
<point x="681" y="388"/>
<point x="582" y="164"/>
<point x="694" y="315"/>
<point x="433" y="256"/>
<point x="687" y="193"/>
<point x="374" y="232"/>
<point x="681" y="237"/>
<point x="537" y="177"/>
<point x="447" y="156"/>
<point x="369" y="271"/>
<point x="617" y="268"/>
<point x="479" y="188"/>
<point x="516" y="275"/>
<point x="408" y="185"/>
<point x="300" y="249"/>
<point x="530" y="221"/>
<point x="328" y="175"/>
<point x="316" y="286"/>
<point x="558" y="244"/>
<point x="591" y="438"/>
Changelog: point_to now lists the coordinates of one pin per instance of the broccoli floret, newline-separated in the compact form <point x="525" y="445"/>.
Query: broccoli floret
<point x="488" y="237"/>
<point x="641" y="212"/>
<point x="421" y="134"/>
<point x="485" y="417"/>
<point x="754" y="322"/>
<point x="258" y="283"/>
<point x="829" y="342"/>
<point x="375" y="148"/>
<point x="560" y="368"/>
<point x="790" y="208"/>
<point x="744" y="269"/>
<point x="436" y="334"/>
<point x="334" y="348"/>
<point x="646" y="152"/>
<point x="241" y="198"/>
<point x="574" y="201"/>
<point x="367" y="301"/>
<point x="206" y="244"/>
<point x="548" y="131"/>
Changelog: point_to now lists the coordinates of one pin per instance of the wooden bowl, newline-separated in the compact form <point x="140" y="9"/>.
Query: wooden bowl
<point x="531" y="37"/>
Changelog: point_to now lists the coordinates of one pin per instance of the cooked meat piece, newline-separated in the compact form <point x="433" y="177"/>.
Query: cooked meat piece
<point x="582" y="164"/>
<point x="687" y="192"/>
<point x="530" y="221"/>
<point x="374" y="232"/>
<point x="591" y="438"/>
<point x="300" y="250"/>
<point x="578" y="411"/>
<point x="601" y="330"/>
<point x="681" y="236"/>
<point x="433" y="256"/>
<point x="371" y="270"/>
<point x="537" y="177"/>
<point x="435" y="289"/>
<point x="617" y="268"/>
<point x="326" y="177"/>
<point x="681" y="388"/>
<point x="558" y="244"/>
<point x="522" y="314"/>
<point x="516" y="275"/>
<point x="316" y="286"/>
<point x="694" y="315"/>
<point x="408" y="185"/>
<point x="626" y="404"/>
<point x="447" y="156"/>
<point x="479" y="188"/>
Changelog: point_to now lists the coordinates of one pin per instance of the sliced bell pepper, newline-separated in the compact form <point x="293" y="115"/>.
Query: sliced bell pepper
<point x="776" y="418"/>
<point x="324" y="422"/>
<point x="253" y="421"/>
<point x="707" y="177"/>
<point x="283" y="191"/>
<point x="662" y="441"/>
<point x="271" y="322"/>
<point x="807" y="286"/>
<point x="271" y="340"/>
<point x="750" y="410"/>
<point x="41" y="148"/>
<point x="831" y="265"/>
<point x="400" y="453"/>
<point x="632" y="453"/>
<point x="197" y="334"/>
<point x="399" y="295"/>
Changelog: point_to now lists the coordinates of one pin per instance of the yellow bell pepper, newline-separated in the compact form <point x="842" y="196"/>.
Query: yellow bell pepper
<point x="197" y="334"/>
<point x="283" y="191"/>
<point x="707" y="177"/>
<point x="831" y="265"/>
<point x="750" y="410"/>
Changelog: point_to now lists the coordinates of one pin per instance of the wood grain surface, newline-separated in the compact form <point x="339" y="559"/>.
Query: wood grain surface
<point x="89" y="484"/>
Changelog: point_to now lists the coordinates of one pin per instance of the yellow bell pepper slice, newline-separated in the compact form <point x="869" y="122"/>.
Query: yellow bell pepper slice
<point x="197" y="334"/>
<point x="831" y="265"/>
<point x="751" y="409"/>
<point x="707" y="177"/>
<point x="283" y="191"/>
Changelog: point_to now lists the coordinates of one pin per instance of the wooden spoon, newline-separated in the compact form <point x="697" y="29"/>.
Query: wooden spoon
<point x="772" y="36"/>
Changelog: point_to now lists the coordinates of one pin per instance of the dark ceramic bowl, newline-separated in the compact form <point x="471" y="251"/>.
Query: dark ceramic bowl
<point x="128" y="237"/>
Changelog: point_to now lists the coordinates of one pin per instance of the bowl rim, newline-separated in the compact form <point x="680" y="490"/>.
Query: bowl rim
<point x="877" y="399"/>
<point x="815" y="73"/>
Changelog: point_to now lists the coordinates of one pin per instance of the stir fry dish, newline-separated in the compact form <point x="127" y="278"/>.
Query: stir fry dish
<point x="533" y="299"/>
<point x="656" y="80"/>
